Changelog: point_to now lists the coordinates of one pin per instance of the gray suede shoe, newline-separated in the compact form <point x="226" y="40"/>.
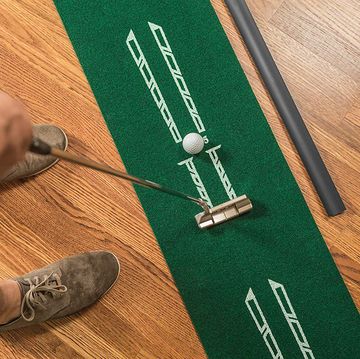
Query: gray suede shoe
<point x="64" y="287"/>
<point x="35" y="164"/>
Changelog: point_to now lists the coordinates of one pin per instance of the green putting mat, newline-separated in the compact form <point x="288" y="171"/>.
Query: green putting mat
<point x="263" y="285"/>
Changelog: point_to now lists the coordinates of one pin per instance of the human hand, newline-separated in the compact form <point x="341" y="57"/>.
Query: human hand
<point x="15" y="131"/>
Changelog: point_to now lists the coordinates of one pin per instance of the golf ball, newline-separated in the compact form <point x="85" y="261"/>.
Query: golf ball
<point x="193" y="143"/>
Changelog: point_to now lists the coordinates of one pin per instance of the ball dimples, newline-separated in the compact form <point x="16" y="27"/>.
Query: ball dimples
<point x="193" y="143"/>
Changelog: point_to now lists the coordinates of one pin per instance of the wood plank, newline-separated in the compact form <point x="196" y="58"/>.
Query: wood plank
<point x="263" y="9"/>
<point x="329" y="28"/>
<point x="350" y="270"/>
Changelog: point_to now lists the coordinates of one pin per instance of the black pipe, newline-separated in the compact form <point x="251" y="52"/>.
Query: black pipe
<point x="286" y="107"/>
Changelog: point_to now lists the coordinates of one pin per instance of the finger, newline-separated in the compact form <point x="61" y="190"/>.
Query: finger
<point x="16" y="139"/>
<point x="28" y="134"/>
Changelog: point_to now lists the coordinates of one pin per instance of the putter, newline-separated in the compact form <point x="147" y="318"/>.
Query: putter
<point x="206" y="219"/>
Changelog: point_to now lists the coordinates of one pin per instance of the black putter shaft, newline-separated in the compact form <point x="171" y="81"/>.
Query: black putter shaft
<point x="286" y="107"/>
<point x="42" y="148"/>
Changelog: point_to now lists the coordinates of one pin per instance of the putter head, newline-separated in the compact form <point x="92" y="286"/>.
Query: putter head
<point x="224" y="212"/>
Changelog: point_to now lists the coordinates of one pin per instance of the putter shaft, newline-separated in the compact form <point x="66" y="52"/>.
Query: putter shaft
<point x="43" y="148"/>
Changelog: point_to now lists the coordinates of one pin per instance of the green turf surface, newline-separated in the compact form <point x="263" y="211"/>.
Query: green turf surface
<point x="215" y="269"/>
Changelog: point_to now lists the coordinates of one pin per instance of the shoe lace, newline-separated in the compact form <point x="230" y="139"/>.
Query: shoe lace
<point x="39" y="292"/>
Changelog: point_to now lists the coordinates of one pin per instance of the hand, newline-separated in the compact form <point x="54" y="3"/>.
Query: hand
<point x="15" y="131"/>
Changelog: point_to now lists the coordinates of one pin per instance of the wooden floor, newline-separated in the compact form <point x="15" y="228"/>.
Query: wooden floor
<point x="68" y="210"/>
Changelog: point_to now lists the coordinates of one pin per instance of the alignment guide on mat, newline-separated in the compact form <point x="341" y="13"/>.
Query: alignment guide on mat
<point x="263" y="285"/>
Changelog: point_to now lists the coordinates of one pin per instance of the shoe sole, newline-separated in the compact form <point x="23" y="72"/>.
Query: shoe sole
<point x="118" y="275"/>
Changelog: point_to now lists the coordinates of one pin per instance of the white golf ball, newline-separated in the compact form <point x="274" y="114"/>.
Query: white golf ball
<point x="193" y="143"/>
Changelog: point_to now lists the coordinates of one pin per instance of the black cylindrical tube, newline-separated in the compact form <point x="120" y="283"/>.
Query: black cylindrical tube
<point x="286" y="107"/>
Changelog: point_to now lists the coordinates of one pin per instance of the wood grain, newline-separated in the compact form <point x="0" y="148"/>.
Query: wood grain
<point x="70" y="209"/>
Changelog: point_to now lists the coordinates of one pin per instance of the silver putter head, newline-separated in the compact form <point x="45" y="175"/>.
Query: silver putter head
<point x="224" y="212"/>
